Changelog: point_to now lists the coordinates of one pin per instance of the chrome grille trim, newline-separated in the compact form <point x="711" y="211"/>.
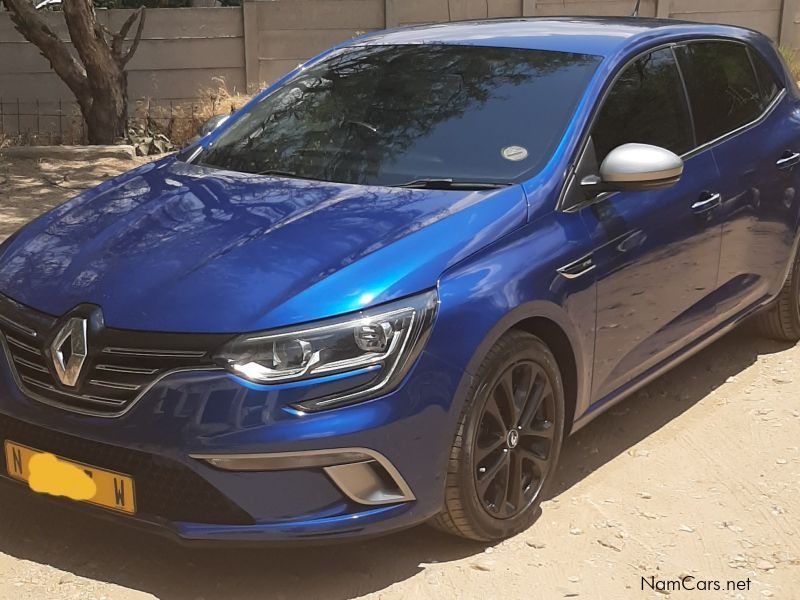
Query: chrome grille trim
<point x="36" y="383"/>
<point x="115" y="386"/>
<point x="129" y="370"/>
<point x="30" y="365"/>
<point x="122" y="366"/>
<point x="23" y="345"/>
<point x="96" y="399"/>
<point x="155" y="353"/>
<point x="52" y="388"/>
<point x="106" y="402"/>
<point x="21" y="328"/>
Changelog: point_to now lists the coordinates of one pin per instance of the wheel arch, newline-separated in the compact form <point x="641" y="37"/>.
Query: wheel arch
<point x="551" y="324"/>
<point x="557" y="340"/>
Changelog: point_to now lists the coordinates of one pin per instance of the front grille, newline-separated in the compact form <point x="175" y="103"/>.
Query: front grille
<point x="119" y="368"/>
<point x="164" y="488"/>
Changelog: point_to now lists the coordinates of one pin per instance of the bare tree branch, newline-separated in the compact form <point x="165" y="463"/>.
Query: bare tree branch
<point x="34" y="28"/>
<point x="119" y="38"/>
<point x="136" y="38"/>
<point x="86" y="36"/>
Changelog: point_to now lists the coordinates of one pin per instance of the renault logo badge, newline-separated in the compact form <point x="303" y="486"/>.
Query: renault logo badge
<point x="69" y="351"/>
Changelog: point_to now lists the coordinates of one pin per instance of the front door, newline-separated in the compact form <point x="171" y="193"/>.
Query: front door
<point x="656" y="252"/>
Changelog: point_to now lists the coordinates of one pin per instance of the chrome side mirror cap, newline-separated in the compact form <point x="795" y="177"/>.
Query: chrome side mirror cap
<point x="211" y="124"/>
<point x="634" y="168"/>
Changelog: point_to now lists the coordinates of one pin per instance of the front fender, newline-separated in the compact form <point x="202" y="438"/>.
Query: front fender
<point x="513" y="280"/>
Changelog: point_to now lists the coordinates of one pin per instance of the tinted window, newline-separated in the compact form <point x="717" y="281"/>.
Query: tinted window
<point x="646" y="105"/>
<point x="385" y="115"/>
<point x="766" y="79"/>
<point x="722" y="87"/>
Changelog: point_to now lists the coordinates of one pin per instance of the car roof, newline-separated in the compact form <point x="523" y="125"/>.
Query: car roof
<point x="601" y="36"/>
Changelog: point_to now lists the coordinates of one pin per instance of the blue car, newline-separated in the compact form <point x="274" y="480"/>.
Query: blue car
<point x="386" y="290"/>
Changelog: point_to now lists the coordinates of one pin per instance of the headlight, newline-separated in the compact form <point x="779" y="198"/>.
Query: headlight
<point x="387" y="339"/>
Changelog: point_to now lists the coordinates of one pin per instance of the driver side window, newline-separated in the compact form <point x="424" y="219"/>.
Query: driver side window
<point x="646" y="105"/>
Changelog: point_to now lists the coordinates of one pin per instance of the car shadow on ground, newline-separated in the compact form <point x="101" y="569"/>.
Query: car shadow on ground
<point x="74" y="542"/>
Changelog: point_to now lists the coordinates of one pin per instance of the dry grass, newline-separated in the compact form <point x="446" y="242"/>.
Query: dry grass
<point x="792" y="61"/>
<point x="179" y="122"/>
<point x="220" y="100"/>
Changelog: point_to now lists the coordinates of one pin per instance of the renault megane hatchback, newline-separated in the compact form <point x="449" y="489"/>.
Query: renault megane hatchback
<point x="384" y="291"/>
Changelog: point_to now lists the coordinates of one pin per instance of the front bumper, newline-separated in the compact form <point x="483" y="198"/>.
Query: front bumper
<point x="212" y="413"/>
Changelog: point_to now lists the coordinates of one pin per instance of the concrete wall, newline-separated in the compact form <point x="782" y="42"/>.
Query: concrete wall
<point x="184" y="49"/>
<point x="181" y="51"/>
<point x="285" y="32"/>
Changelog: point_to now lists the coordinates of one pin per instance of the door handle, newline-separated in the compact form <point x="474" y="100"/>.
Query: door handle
<point x="706" y="203"/>
<point x="788" y="160"/>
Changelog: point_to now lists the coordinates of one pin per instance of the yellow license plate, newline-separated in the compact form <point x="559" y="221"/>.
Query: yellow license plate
<point x="46" y="473"/>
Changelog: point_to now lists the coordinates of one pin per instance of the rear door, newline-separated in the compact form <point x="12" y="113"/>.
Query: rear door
<point x="656" y="252"/>
<point x="742" y="111"/>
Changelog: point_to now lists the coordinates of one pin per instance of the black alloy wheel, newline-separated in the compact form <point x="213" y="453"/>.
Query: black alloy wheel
<point x="507" y="442"/>
<point x="514" y="440"/>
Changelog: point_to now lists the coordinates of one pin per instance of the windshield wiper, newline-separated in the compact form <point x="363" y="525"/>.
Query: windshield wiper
<point x="279" y="173"/>
<point x="450" y="184"/>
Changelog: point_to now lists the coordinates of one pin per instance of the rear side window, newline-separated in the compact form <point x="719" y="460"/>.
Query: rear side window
<point x="766" y="79"/>
<point x="646" y="105"/>
<point x="722" y="86"/>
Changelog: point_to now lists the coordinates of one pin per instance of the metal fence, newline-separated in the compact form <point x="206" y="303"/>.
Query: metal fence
<point x="37" y="123"/>
<point x="41" y="123"/>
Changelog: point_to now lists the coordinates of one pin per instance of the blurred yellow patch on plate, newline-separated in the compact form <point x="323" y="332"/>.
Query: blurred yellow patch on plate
<point x="46" y="473"/>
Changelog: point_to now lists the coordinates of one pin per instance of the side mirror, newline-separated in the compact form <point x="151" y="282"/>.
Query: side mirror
<point x="635" y="168"/>
<point x="211" y="124"/>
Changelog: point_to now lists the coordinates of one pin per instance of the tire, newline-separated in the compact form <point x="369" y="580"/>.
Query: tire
<point x="477" y="505"/>
<point x="781" y="321"/>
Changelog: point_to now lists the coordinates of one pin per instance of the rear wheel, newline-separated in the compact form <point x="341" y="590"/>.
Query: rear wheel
<point x="508" y="442"/>
<point x="782" y="320"/>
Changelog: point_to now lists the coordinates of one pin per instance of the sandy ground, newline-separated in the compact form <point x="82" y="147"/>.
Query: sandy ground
<point x="696" y="475"/>
<point x="29" y="187"/>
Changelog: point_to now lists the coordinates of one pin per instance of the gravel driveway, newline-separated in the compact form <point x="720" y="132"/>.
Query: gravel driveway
<point x="696" y="475"/>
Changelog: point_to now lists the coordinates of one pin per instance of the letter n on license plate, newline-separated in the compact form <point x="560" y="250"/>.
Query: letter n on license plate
<point x="48" y="474"/>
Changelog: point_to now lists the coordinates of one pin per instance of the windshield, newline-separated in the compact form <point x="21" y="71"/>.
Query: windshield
<point x="392" y="115"/>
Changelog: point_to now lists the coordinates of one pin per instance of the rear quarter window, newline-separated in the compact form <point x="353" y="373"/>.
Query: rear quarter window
<point x="767" y="81"/>
<point x="723" y="90"/>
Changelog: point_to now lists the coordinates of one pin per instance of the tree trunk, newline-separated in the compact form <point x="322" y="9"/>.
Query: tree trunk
<point x="98" y="79"/>
<point x="107" y="117"/>
<point x="105" y="121"/>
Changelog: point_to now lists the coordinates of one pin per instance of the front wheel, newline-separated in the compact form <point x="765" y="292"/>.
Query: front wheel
<point x="508" y="442"/>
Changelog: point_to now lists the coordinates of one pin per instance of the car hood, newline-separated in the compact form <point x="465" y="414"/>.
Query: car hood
<point x="177" y="247"/>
